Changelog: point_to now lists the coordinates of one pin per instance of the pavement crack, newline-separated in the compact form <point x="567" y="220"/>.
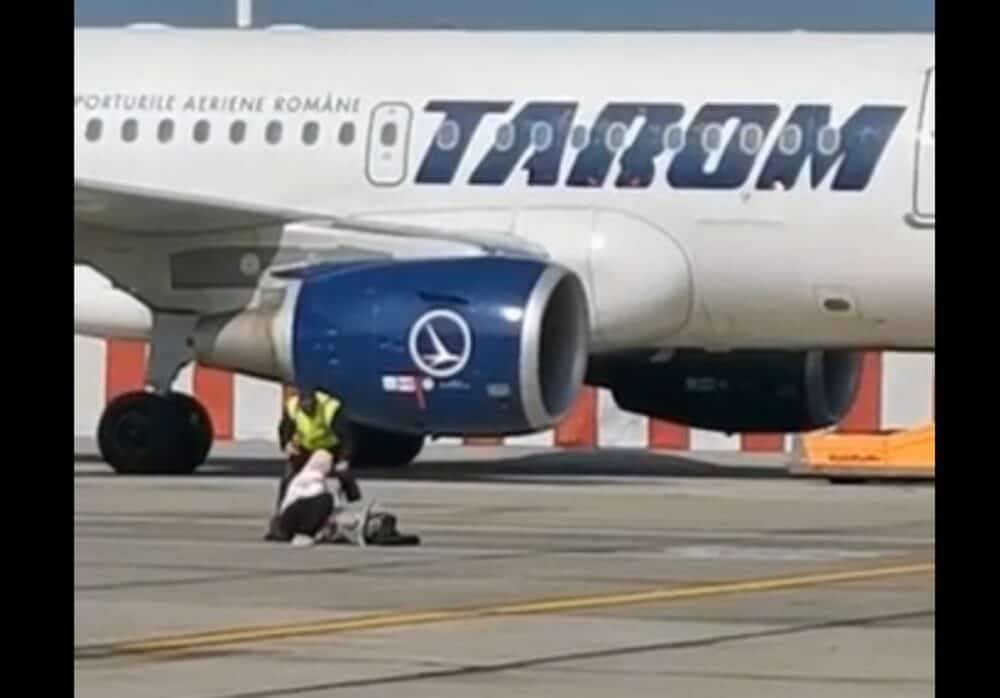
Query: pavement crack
<point x="777" y="678"/>
<point x="548" y="660"/>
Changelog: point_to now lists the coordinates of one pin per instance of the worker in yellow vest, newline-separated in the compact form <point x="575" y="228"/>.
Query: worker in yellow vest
<point x="315" y="434"/>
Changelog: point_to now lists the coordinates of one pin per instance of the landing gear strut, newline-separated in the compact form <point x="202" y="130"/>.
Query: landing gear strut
<point x="158" y="432"/>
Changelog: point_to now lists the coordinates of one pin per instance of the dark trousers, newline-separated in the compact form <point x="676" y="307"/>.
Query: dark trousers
<point x="307" y="516"/>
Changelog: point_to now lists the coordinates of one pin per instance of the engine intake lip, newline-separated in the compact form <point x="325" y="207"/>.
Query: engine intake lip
<point x="833" y="380"/>
<point x="283" y="330"/>
<point x="554" y="346"/>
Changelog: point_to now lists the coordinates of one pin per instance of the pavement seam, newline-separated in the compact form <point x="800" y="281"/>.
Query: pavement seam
<point x="542" y="661"/>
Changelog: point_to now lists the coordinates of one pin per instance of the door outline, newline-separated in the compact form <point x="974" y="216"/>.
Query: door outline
<point x="399" y="151"/>
<point x="919" y="218"/>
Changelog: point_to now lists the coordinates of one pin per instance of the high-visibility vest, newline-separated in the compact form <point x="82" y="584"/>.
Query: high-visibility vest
<point x="315" y="432"/>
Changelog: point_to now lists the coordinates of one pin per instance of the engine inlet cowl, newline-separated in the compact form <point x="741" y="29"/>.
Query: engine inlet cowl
<point x="472" y="346"/>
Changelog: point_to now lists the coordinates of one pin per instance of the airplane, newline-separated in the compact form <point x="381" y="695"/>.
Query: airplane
<point x="453" y="232"/>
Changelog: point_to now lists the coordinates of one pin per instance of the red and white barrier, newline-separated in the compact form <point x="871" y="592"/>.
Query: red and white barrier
<point x="897" y="390"/>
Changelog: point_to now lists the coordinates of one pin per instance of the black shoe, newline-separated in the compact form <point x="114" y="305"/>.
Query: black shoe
<point x="275" y="534"/>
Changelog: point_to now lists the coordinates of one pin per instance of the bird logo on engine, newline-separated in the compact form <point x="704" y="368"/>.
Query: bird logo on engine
<point x="441" y="343"/>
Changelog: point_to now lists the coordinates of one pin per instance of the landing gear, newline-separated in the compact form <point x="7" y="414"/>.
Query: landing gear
<point x="377" y="448"/>
<point x="158" y="432"/>
<point x="148" y="434"/>
<point x="195" y="428"/>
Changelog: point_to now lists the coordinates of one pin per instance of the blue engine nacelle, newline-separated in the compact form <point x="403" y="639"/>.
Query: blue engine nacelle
<point x="738" y="391"/>
<point x="473" y="346"/>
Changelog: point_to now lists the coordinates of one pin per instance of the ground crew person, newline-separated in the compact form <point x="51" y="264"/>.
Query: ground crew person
<point x="310" y="513"/>
<point x="315" y="434"/>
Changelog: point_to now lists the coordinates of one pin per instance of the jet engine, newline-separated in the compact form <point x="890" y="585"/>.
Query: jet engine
<point x="740" y="391"/>
<point x="483" y="345"/>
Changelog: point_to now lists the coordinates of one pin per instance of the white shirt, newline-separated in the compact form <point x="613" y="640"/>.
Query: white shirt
<point x="310" y="481"/>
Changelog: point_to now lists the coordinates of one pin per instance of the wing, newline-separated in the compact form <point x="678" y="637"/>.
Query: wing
<point x="138" y="211"/>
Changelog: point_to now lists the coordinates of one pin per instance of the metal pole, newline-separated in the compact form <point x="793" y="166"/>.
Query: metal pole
<point x="244" y="13"/>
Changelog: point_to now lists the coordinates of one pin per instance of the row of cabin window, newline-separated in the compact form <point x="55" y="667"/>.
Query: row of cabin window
<point x="202" y="129"/>
<point x="751" y="136"/>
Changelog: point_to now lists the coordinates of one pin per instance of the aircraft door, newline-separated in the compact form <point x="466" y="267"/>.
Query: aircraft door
<point x="923" y="185"/>
<point x="388" y="143"/>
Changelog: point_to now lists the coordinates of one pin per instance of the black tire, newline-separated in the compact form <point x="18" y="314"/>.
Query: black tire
<point x="377" y="448"/>
<point x="195" y="428"/>
<point x="136" y="435"/>
<point x="148" y="434"/>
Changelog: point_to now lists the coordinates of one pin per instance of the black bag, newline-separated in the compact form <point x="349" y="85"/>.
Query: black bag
<point x="380" y="529"/>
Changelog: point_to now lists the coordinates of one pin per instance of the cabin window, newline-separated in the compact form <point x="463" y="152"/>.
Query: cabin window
<point x="310" y="133"/>
<point x="448" y="135"/>
<point x="711" y="138"/>
<point x="673" y="137"/>
<point x="94" y="129"/>
<point x="505" y="137"/>
<point x="201" y="131"/>
<point x="346" y="134"/>
<point x="751" y="138"/>
<point x="272" y="134"/>
<point x="237" y="132"/>
<point x="579" y="137"/>
<point x="828" y="141"/>
<point x="541" y="135"/>
<point x="615" y="137"/>
<point x="165" y="130"/>
<point x="790" y="140"/>
<point x="130" y="130"/>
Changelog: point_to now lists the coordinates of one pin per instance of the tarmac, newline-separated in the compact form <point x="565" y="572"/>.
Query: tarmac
<point x="540" y="573"/>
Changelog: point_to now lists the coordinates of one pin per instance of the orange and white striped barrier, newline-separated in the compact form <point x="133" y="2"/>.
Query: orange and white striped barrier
<point x="896" y="390"/>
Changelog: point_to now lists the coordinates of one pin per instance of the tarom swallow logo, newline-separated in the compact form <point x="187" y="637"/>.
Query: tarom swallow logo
<point x="441" y="343"/>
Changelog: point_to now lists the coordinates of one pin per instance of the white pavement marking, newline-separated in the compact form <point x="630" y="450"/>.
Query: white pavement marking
<point x="730" y="553"/>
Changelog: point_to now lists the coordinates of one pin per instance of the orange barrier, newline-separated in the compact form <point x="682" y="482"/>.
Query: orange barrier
<point x="905" y="453"/>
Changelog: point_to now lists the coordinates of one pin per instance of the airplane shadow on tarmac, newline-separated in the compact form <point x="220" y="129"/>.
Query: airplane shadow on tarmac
<point x="591" y="465"/>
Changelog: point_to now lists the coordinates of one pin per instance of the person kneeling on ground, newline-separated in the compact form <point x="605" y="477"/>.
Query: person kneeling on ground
<point x="314" y="423"/>
<point x="311" y="513"/>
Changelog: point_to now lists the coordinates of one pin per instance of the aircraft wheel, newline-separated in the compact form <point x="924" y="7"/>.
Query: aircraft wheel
<point x="195" y="428"/>
<point x="148" y="434"/>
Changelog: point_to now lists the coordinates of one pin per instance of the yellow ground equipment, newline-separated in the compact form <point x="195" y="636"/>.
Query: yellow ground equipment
<point x="843" y="456"/>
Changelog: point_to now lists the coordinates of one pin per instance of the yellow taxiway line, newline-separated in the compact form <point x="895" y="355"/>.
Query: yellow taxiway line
<point x="402" y="619"/>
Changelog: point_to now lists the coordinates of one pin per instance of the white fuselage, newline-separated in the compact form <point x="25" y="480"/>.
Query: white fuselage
<point x="734" y="247"/>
